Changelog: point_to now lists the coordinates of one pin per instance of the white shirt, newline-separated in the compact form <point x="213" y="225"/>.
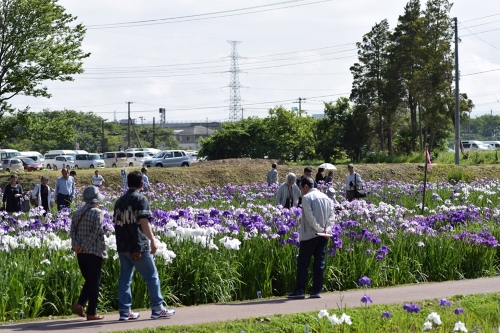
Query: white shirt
<point x="97" y="181"/>
<point x="354" y="177"/>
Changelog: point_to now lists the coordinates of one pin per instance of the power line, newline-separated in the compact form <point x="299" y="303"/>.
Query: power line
<point x="480" y="18"/>
<point x="167" y="20"/>
<point x="189" y="16"/>
<point x="491" y="70"/>
<point x="480" y="37"/>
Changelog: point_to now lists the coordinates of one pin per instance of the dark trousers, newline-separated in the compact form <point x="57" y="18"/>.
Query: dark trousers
<point x="350" y="195"/>
<point x="63" y="200"/>
<point x="315" y="247"/>
<point x="90" y="266"/>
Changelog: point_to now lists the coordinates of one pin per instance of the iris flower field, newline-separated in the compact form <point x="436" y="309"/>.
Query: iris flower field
<point x="228" y="243"/>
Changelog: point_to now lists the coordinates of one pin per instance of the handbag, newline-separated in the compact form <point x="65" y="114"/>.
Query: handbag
<point x="25" y="206"/>
<point x="34" y="201"/>
<point x="361" y="193"/>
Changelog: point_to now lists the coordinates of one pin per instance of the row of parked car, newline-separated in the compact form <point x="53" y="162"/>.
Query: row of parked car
<point x="77" y="159"/>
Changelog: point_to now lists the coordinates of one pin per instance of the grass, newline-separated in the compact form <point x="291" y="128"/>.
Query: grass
<point x="248" y="171"/>
<point x="481" y="314"/>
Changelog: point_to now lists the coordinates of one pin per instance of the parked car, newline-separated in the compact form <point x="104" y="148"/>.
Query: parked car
<point x="12" y="165"/>
<point x="91" y="161"/>
<point x="137" y="158"/>
<point x="475" y="146"/>
<point x="115" y="159"/>
<point x="63" y="161"/>
<point x="169" y="158"/>
<point x="31" y="165"/>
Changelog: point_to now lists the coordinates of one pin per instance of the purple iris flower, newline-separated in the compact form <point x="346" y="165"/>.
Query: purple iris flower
<point x="411" y="308"/>
<point x="366" y="299"/>
<point x="459" y="311"/>
<point x="364" y="281"/>
<point x="444" y="302"/>
<point x="386" y="314"/>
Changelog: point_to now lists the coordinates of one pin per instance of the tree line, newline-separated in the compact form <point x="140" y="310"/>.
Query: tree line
<point x="43" y="131"/>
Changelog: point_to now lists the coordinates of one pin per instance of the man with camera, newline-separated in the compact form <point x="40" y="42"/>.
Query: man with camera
<point x="353" y="183"/>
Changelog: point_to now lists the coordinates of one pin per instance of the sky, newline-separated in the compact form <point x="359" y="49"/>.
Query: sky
<point x="178" y="57"/>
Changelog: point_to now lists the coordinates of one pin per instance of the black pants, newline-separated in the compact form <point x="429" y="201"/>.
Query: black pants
<point x="316" y="248"/>
<point x="90" y="266"/>
<point x="350" y="195"/>
<point x="63" y="200"/>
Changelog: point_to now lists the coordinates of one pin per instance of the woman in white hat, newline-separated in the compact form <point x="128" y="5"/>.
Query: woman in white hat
<point x="87" y="240"/>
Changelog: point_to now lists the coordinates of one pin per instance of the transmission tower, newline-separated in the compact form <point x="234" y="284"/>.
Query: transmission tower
<point x="235" y="111"/>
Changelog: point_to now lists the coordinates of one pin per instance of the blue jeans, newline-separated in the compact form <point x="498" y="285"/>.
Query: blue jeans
<point x="314" y="247"/>
<point x="147" y="268"/>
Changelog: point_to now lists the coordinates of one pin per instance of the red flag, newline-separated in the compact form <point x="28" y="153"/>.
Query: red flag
<point x="428" y="158"/>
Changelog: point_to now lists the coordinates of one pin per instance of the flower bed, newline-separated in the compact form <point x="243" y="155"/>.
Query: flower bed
<point x="232" y="243"/>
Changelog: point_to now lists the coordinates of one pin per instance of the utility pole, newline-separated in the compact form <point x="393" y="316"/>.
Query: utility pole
<point x="128" y="122"/>
<point x="300" y="104"/>
<point x="457" y="98"/>
<point x="154" y="134"/>
<point x="102" y="137"/>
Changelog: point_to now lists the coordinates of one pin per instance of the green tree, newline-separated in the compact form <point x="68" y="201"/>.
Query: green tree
<point x="290" y="135"/>
<point x="368" y="75"/>
<point x="38" y="42"/>
<point x="330" y="131"/>
<point x="405" y="57"/>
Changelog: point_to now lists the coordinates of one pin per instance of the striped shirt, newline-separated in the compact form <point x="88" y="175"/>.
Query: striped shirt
<point x="88" y="232"/>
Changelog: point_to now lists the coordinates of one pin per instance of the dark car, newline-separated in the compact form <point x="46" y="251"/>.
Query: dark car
<point x="31" y="165"/>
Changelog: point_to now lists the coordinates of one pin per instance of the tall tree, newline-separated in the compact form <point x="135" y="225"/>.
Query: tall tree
<point x="404" y="50"/>
<point x="38" y="42"/>
<point x="435" y="77"/>
<point x="368" y="81"/>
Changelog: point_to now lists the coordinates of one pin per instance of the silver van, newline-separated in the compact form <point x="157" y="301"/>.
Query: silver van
<point x="115" y="159"/>
<point x="84" y="161"/>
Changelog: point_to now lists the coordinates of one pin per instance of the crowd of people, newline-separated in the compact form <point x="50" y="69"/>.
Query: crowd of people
<point x="135" y="241"/>
<point x="316" y="220"/>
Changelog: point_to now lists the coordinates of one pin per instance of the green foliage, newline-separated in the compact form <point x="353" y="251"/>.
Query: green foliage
<point x="282" y="134"/>
<point x="39" y="42"/>
<point x="48" y="130"/>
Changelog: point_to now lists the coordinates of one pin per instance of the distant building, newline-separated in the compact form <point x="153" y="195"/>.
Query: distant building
<point x="125" y="121"/>
<point x="319" y="116"/>
<point x="188" y="137"/>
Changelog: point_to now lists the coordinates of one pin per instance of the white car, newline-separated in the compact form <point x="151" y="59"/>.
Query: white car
<point x="63" y="161"/>
<point x="136" y="158"/>
<point x="12" y="165"/>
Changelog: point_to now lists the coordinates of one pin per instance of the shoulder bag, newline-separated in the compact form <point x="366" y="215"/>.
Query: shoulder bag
<point x="360" y="193"/>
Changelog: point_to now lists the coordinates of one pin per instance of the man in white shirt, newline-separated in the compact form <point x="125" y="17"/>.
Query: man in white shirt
<point x="353" y="182"/>
<point x="97" y="179"/>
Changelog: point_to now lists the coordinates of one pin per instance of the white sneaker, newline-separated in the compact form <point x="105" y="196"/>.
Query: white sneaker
<point x="165" y="313"/>
<point x="129" y="315"/>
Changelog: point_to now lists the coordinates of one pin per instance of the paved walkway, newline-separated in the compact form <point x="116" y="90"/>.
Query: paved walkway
<point x="252" y="309"/>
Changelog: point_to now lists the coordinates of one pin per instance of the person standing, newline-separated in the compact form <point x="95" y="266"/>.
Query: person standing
<point x="65" y="190"/>
<point x="319" y="175"/>
<point x="288" y="193"/>
<point x="329" y="177"/>
<point x="353" y="183"/>
<point x="124" y="177"/>
<point x="97" y="179"/>
<point x="136" y="245"/>
<point x="317" y="217"/>
<point x="272" y="175"/>
<point x="145" y="178"/>
<point x="41" y="194"/>
<point x="12" y="195"/>
<point x="87" y="241"/>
